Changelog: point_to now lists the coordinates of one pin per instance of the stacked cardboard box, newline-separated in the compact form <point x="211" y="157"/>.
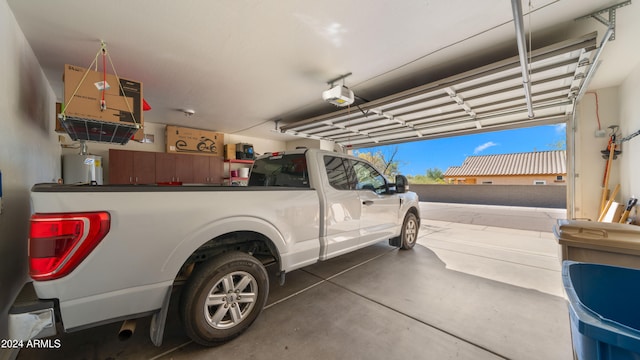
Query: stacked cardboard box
<point x="83" y="93"/>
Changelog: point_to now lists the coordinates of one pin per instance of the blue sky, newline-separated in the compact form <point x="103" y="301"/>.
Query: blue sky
<point x="416" y="157"/>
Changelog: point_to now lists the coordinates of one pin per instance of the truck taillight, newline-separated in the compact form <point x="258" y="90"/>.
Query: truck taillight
<point x="59" y="242"/>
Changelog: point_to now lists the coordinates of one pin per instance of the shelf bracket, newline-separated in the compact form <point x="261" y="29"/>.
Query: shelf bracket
<point x="611" y="22"/>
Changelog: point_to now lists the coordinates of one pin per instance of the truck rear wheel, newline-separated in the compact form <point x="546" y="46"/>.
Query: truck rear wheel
<point x="223" y="297"/>
<point x="409" y="234"/>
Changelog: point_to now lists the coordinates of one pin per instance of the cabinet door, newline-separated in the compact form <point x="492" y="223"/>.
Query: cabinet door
<point x="165" y="167"/>
<point x="144" y="167"/>
<point x="184" y="168"/>
<point x="201" y="169"/>
<point x="120" y="166"/>
<point x="216" y="169"/>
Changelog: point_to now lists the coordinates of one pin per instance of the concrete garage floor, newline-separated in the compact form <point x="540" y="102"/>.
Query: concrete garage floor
<point x="466" y="291"/>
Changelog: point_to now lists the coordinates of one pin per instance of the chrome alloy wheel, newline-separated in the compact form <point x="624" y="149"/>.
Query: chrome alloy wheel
<point x="231" y="300"/>
<point x="411" y="231"/>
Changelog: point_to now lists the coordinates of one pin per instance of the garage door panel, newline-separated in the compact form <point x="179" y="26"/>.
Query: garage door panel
<point x="489" y="97"/>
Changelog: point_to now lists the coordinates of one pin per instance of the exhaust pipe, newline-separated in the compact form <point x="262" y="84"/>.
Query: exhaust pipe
<point x="127" y="329"/>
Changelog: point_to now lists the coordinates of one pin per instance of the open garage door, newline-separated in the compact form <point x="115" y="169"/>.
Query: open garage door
<point x="488" y="98"/>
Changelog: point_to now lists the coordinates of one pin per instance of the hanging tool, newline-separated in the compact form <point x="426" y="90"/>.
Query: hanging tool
<point x="612" y="155"/>
<point x="625" y="215"/>
<point x="612" y="142"/>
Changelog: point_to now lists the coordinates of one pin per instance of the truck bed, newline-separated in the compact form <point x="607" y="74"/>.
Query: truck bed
<point x="53" y="187"/>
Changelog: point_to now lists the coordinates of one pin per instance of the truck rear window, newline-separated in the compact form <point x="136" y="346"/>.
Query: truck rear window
<point x="281" y="170"/>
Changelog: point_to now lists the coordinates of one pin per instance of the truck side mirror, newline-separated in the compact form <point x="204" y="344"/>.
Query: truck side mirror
<point x="402" y="184"/>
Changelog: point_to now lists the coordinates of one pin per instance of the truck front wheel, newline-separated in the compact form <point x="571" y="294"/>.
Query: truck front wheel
<point x="223" y="297"/>
<point x="409" y="233"/>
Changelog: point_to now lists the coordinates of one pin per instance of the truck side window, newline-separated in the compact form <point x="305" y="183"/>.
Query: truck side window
<point x="337" y="173"/>
<point x="281" y="170"/>
<point x="369" y="178"/>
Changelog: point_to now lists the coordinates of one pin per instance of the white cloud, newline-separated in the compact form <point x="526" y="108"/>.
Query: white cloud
<point x="560" y="128"/>
<point x="483" y="147"/>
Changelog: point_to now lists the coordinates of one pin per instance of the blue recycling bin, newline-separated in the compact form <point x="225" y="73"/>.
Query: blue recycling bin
<point x="604" y="307"/>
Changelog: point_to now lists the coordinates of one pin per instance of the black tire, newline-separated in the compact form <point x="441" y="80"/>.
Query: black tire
<point x="201" y="146"/>
<point x="236" y="285"/>
<point x="409" y="234"/>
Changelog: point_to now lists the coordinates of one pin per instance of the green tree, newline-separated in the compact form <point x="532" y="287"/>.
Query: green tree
<point x="435" y="174"/>
<point x="432" y="176"/>
<point x="558" y="145"/>
<point x="386" y="164"/>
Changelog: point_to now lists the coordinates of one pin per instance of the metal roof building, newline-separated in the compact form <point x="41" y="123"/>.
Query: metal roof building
<point x="539" y="163"/>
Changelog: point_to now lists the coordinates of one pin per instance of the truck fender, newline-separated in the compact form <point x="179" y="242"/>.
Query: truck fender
<point x="207" y="232"/>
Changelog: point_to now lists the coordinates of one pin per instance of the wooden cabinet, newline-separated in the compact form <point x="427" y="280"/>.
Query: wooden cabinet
<point x="201" y="169"/>
<point x="175" y="168"/>
<point x="184" y="168"/>
<point x="165" y="167"/>
<point x="216" y="168"/>
<point x="131" y="167"/>
<point x="208" y="169"/>
<point x="120" y="166"/>
<point x="140" y="167"/>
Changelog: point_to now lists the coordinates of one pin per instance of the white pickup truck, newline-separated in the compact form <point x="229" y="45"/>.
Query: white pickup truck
<point x="101" y="254"/>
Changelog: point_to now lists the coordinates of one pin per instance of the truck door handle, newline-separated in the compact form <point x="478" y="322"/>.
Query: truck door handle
<point x="367" y="202"/>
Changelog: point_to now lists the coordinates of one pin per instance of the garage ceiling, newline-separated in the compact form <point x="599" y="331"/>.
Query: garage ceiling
<point x="241" y="65"/>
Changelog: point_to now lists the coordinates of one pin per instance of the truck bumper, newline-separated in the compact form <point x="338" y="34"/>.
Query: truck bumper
<point x="30" y="317"/>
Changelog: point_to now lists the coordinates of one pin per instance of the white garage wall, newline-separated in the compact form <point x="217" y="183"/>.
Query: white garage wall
<point x="259" y="145"/>
<point x="630" y="123"/>
<point x="29" y="152"/>
<point x="617" y="106"/>
<point x="313" y="144"/>
<point x="589" y="162"/>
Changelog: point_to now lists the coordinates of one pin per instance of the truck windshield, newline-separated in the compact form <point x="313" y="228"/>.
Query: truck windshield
<point x="280" y="170"/>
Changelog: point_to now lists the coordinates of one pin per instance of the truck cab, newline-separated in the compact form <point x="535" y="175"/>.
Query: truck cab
<point x="359" y="205"/>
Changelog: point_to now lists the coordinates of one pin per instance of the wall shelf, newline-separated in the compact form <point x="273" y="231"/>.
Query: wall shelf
<point x="236" y="164"/>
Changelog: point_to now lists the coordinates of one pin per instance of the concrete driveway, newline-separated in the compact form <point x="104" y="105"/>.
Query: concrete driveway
<point x="511" y="217"/>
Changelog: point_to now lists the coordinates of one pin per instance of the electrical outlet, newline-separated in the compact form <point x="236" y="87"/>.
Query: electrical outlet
<point x="601" y="133"/>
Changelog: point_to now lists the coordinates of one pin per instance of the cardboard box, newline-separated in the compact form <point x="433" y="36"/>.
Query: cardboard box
<point x="230" y="152"/>
<point x="194" y="141"/>
<point x="82" y="98"/>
